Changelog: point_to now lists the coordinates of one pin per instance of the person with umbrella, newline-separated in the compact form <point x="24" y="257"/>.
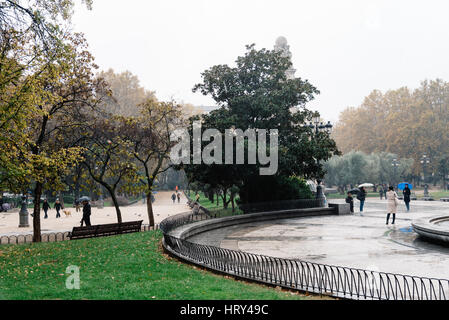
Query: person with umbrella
<point x="361" y="196"/>
<point x="86" y="211"/>
<point x="406" y="192"/>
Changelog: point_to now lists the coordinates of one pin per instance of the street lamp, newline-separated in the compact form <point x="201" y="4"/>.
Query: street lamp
<point x="23" y="214"/>
<point x="424" y="161"/>
<point x="318" y="127"/>
<point x="395" y="164"/>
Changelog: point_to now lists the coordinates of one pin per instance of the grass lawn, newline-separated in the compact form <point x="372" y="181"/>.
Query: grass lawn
<point x="119" y="267"/>
<point x="212" y="206"/>
<point x="437" y="194"/>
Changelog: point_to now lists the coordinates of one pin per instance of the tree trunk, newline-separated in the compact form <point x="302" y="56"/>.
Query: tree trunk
<point x="61" y="199"/>
<point x="232" y="202"/>
<point x="117" y="207"/>
<point x="77" y="190"/>
<point x="37" y="213"/>
<point x="225" y="203"/>
<point x="150" y="209"/>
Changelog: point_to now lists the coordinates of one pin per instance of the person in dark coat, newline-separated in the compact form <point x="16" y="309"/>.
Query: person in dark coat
<point x="77" y="205"/>
<point x="349" y="199"/>
<point x="361" y="196"/>
<point x="381" y="192"/>
<point x="173" y="197"/>
<point x="58" y="207"/>
<point x="178" y="195"/>
<point x="406" y="192"/>
<point x="86" y="213"/>
<point x="45" y="207"/>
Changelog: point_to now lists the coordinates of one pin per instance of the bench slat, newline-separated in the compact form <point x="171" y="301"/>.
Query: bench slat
<point x="103" y="230"/>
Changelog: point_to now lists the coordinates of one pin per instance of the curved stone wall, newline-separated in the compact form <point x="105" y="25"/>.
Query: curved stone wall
<point x="436" y="229"/>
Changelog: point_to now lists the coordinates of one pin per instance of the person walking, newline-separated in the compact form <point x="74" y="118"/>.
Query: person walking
<point x="392" y="204"/>
<point x="77" y="205"/>
<point x="178" y="195"/>
<point x="58" y="207"/>
<point x="381" y="192"/>
<point x="86" y="213"/>
<point x="197" y="197"/>
<point x="361" y="196"/>
<point x="173" y="197"/>
<point x="406" y="192"/>
<point x="349" y="199"/>
<point x="45" y="207"/>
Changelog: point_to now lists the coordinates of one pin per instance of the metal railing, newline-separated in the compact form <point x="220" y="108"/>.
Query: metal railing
<point x="51" y="236"/>
<point x="337" y="281"/>
<point x="281" y="205"/>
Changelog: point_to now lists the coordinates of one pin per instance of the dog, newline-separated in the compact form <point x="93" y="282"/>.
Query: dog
<point x="67" y="213"/>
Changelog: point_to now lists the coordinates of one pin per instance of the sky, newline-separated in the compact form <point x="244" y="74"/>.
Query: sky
<point x="346" y="48"/>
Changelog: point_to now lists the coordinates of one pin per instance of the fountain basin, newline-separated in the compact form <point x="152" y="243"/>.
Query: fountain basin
<point x="436" y="228"/>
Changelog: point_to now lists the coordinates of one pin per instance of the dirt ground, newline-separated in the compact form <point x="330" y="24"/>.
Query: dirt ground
<point x="163" y="207"/>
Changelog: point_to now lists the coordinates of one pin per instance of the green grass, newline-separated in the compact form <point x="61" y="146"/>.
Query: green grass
<point x="119" y="267"/>
<point x="437" y="194"/>
<point x="217" y="209"/>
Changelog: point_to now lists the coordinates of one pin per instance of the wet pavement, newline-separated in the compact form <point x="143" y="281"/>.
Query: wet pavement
<point x="364" y="242"/>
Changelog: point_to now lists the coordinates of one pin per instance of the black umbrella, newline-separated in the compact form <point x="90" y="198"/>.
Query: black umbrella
<point x="354" y="191"/>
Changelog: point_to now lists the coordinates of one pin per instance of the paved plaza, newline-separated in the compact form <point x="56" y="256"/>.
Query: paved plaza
<point x="163" y="207"/>
<point x="356" y="241"/>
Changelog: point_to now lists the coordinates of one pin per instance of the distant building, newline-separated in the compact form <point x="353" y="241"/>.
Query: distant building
<point x="282" y="46"/>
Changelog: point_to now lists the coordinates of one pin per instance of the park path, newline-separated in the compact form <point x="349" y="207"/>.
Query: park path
<point x="163" y="207"/>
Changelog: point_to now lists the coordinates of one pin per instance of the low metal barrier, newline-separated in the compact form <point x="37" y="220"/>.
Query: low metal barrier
<point x="337" y="281"/>
<point x="51" y="236"/>
<point x="281" y="205"/>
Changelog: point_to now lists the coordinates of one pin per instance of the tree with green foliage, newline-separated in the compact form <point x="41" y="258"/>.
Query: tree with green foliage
<point x="257" y="94"/>
<point x="148" y="136"/>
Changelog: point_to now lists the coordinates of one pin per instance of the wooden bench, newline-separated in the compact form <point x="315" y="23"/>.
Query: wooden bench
<point x="104" y="230"/>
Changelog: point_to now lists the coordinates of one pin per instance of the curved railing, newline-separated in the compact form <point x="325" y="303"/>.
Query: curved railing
<point x="301" y="275"/>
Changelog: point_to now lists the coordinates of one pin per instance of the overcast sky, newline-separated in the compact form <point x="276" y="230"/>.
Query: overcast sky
<point x="346" y="48"/>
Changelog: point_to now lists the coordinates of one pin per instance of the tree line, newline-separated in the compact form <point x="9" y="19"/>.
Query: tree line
<point x="357" y="167"/>
<point x="409" y="123"/>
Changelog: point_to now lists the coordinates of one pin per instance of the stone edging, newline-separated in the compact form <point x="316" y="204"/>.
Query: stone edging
<point x="429" y="229"/>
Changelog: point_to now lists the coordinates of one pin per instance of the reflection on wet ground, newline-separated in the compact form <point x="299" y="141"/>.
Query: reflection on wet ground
<point x="444" y="223"/>
<point x="364" y="242"/>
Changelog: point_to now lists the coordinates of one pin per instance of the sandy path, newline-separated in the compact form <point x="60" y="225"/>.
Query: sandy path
<point x="162" y="207"/>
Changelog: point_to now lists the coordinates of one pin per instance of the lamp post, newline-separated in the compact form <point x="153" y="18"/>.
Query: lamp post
<point x="424" y="162"/>
<point x="395" y="164"/>
<point x="23" y="214"/>
<point x="317" y="126"/>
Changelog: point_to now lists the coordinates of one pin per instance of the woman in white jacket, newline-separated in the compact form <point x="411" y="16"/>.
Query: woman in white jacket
<point x="392" y="204"/>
